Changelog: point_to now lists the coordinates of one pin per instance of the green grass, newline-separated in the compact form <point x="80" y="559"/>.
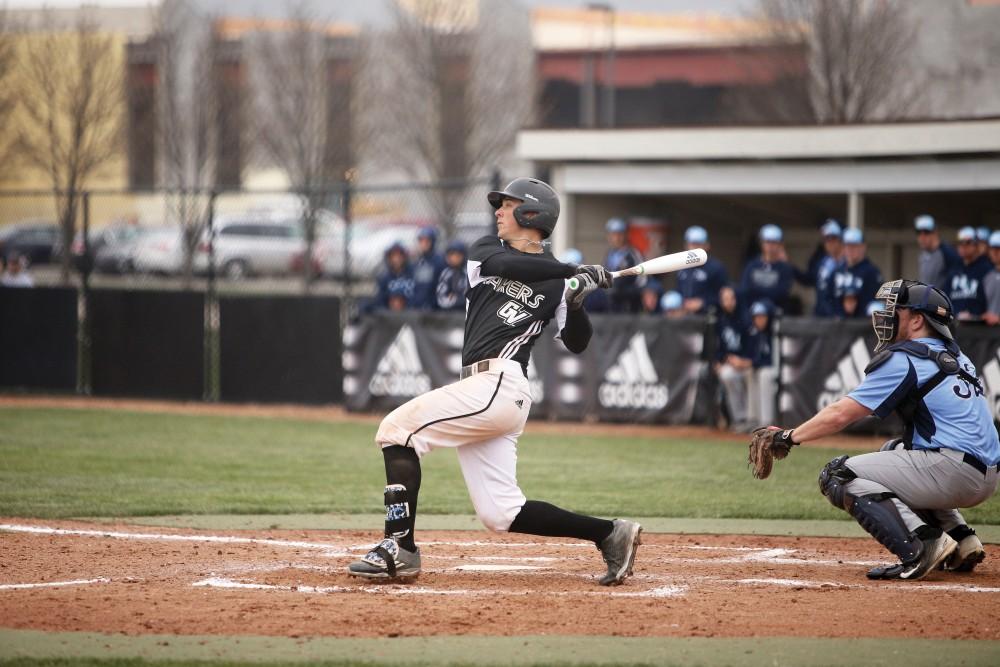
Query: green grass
<point x="70" y="463"/>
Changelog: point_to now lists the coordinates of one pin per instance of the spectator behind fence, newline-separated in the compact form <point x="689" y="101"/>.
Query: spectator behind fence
<point x="762" y="385"/>
<point x="823" y="267"/>
<point x="399" y="297"/>
<point x="849" y="303"/>
<point x="454" y="280"/>
<point x="769" y="276"/>
<point x="625" y="295"/>
<point x="857" y="274"/>
<point x="991" y="283"/>
<point x="427" y="268"/>
<point x="700" y="286"/>
<point x="937" y="259"/>
<point x="983" y="241"/>
<point x="964" y="285"/>
<point x="672" y="304"/>
<point x="16" y="274"/>
<point x="395" y="277"/>
<point x="651" y="293"/>
<point x="732" y="361"/>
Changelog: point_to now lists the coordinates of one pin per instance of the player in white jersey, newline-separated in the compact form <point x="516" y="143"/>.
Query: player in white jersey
<point x="515" y="288"/>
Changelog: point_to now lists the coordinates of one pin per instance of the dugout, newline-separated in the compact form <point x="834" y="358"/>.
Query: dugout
<point x="877" y="177"/>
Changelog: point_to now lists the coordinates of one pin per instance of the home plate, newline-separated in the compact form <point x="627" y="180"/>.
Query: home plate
<point x="487" y="567"/>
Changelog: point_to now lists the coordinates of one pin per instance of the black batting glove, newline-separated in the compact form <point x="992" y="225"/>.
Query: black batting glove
<point x="585" y="284"/>
<point x="600" y="274"/>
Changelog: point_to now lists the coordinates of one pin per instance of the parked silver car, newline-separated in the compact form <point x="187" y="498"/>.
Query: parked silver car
<point x="252" y="245"/>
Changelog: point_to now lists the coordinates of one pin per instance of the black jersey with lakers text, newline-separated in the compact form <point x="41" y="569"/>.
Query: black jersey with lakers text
<point x="505" y="315"/>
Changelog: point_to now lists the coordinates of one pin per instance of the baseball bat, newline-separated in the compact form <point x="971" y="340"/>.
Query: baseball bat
<point x="663" y="264"/>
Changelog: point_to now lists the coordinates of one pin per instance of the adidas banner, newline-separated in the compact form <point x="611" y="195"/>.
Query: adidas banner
<point x="389" y="358"/>
<point x="635" y="369"/>
<point x="640" y="369"/>
<point x="821" y="361"/>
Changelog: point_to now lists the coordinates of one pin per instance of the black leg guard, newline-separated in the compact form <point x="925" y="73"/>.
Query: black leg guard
<point x="876" y="513"/>
<point x="402" y="476"/>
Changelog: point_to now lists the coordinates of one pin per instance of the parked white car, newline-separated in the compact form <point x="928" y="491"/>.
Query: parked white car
<point x="160" y="250"/>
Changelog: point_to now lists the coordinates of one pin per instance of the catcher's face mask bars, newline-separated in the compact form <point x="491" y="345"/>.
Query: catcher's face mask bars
<point x="884" y="321"/>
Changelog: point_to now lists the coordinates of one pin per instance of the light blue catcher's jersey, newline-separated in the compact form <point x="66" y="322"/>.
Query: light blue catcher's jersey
<point x="955" y="414"/>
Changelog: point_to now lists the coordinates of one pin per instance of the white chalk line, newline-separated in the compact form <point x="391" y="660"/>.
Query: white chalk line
<point x="902" y="585"/>
<point x="219" y="582"/>
<point x="54" y="584"/>
<point x="754" y="554"/>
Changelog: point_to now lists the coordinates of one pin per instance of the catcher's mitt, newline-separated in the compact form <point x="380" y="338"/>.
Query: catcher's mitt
<point x="767" y="444"/>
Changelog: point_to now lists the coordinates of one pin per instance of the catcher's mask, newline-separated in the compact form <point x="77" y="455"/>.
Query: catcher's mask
<point x="929" y="301"/>
<point x="537" y="197"/>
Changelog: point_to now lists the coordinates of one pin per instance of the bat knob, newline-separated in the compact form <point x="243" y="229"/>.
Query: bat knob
<point x="574" y="283"/>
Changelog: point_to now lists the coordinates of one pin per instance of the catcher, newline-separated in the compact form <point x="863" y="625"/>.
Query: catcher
<point x="905" y="494"/>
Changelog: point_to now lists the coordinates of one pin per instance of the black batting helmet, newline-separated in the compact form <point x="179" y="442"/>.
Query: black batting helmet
<point x="538" y="197"/>
<point x="931" y="302"/>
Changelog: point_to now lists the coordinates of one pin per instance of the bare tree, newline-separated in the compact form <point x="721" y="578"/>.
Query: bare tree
<point x="72" y="96"/>
<point x="302" y="80"/>
<point x="449" y="91"/>
<point x="8" y="95"/>
<point x="194" y="115"/>
<point x="855" y="65"/>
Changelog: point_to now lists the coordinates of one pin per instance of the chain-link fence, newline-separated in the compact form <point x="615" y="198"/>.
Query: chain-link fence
<point x="331" y="241"/>
<point x="134" y="258"/>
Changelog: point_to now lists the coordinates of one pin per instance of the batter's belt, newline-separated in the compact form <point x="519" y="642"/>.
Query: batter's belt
<point x="491" y="365"/>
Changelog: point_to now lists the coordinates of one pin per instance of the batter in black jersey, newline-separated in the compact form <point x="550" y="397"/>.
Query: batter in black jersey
<point x="516" y="288"/>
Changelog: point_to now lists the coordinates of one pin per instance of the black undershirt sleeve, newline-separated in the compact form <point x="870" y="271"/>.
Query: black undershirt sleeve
<point x="525" y="268"/>
<point x="577" y="332"/>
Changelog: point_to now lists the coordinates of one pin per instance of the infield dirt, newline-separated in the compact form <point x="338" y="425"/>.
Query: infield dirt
<point x="143" y="580"/>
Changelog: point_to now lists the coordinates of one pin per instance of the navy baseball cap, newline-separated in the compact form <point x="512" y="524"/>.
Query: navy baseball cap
<point x="771" y="233"/>
<point x="615" y="225"/>
<point x="853" y="235"/>
<point x="696" y="234"/>
<point x="831" y="228"/>
<point x="924" y="223"/>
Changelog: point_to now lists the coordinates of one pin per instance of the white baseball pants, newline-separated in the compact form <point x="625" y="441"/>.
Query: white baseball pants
<point x="481" y="416"/>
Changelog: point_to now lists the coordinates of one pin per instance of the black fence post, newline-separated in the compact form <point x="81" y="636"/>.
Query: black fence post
<point x="83" y="347"/>
<point x="211" y="317"/>
<point x="348" y="233"/>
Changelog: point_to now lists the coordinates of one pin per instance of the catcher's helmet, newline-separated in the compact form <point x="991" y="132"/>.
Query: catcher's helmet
<point x="925" y="299"/>
<point x="538" y="197"/>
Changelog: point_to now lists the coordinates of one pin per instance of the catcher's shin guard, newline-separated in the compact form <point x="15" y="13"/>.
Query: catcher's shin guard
<point x="876" y="512"/>
<point x="878" y="515"/>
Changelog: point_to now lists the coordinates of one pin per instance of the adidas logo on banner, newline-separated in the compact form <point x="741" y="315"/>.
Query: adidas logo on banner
<point x="399" y="373"/>
<point x="849" y="374"/>
<point x="632" y="381"/>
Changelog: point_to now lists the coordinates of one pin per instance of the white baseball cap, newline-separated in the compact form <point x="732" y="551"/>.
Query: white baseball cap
<point x="924" y="223"/>
<point x="695" y="234"/>
<point x="672" y="300"/>
<point x="966" y="234"/>
<point x="771" y="233"/>
<point x="853" y="235"/>
<point x="831" y="228"/>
